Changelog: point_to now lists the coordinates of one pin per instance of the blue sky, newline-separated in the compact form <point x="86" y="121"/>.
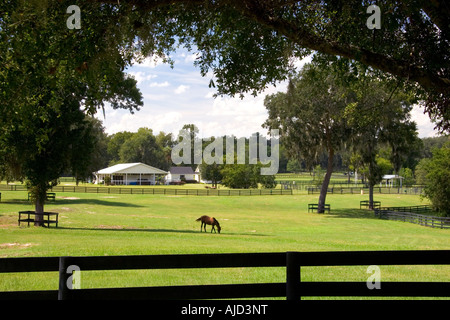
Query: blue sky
<point x="174" y="97"/>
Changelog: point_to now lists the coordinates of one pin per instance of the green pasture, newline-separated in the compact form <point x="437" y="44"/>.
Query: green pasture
<point x="103" y="224"/>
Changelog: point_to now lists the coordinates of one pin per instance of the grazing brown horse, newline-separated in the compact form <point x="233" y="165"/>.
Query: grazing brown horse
<point x="211" y="221"/>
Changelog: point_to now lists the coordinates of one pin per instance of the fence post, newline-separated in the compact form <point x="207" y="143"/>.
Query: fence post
<point x="63" y="290"/>
<point x="292" y="276"/>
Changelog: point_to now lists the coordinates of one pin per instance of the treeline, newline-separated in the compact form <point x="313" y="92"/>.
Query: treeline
<point x="155" y="149"/>
<point x="126" y="147"/>
<point x="344" y="161"/>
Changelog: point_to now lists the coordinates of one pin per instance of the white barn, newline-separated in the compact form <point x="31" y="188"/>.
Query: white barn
<point x="129" y="174"/>
<point x="177" y="174"/>
<point x="389" y="180"/>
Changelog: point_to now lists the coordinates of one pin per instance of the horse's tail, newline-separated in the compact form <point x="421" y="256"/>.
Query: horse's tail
<point x="199" y="219"/>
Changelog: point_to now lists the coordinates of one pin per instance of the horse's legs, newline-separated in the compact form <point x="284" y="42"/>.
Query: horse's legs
<point x="201" y="226"/>
<point x="213" y="228"/>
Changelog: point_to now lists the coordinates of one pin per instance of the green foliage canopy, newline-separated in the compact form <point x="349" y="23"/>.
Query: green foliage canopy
<point x="50" y="78"/>
<point x="437" y="187"/>
<point x="263" y="39"/>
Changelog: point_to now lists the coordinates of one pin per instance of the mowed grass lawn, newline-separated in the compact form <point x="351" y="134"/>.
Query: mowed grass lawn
<point x="102" y="224"/>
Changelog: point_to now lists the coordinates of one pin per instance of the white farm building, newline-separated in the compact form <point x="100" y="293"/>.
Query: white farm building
<point x="129" y="174"/>
<point x="178" y="174"/>
<point x="390" y="178"/>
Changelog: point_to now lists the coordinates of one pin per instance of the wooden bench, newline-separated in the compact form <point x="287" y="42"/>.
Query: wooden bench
<point x="47" y="217"/>
<point x="365" y="204"/>
<point x="314" y="206"/>
<point x="50" y="196"/>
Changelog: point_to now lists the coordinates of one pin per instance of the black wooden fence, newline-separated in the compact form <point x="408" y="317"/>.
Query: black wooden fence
<point x="292" y="289"/>
<point x="365" y="190"/>
<point x="420" y="219"/>
<point x="160" y="191"/>
<point x="422" y="209"/>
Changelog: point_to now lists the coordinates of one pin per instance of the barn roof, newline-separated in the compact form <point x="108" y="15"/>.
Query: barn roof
<point x="131" y="168"/>
<point x="181" y="170"/>
<point x="391" y="176"/>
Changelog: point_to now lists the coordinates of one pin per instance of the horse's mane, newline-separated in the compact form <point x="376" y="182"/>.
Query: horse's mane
<point x="215" y="220"/>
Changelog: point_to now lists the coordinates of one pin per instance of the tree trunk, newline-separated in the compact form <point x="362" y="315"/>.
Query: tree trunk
<point x="39" y="195"/>
<point x="326" y="182"/>
<point x="371" y="196"/>
<point x="371" y="173"/>
<point x="39" y="209"/>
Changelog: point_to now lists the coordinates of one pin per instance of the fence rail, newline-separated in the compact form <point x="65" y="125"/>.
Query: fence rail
<point x="160" y="191"/>
<point x="413" y="209"/>
<point x="359" y="190"/>
<point x="292" y="289"/>
<point x="410" y="216"/>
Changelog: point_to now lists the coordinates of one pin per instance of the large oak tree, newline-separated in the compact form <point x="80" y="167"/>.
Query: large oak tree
<point x="311" y="117"/>
<point x="49" y="71"/>
<point x="250" y="43"/>
<point x="51" y="77"/>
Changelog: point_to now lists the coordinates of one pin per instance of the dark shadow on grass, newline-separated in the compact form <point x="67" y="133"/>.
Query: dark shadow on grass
<point x="351" y="213"/>
<point x="15" y="201"/>
<point x="76" y="201"/>
<point x="161" y="230"/>
<point x="94" y="202"/>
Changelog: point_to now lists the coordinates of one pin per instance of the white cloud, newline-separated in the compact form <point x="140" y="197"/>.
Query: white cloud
<point x="159" y="84"/>
<point x="122" y="120"/>
<point x="234" y="116"/>
<point x="424" y="125"/>
<point x="153" y="97"/>
<point x="299" y="63"/>
<point x="190" y="58"/>
<point x="149" y="62"/>
<point x="174" y="97"/>
<point x="142" y="76"/>
<point x="181" y="89"/>
<point x="209" y="95"/>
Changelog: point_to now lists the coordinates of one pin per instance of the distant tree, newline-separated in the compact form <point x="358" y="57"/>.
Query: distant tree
<point x="422" y="170"/>
<point x="88" y="149"/>
<point x="385" y="165"/>
<point x="211" y="172"/>
<point x="356" y="164"/>
<point x="378" y="115"/>
<point x="413" y="155"/>
<point x="245" y="176"/>
<point x="191" y="131"/>
<point x="48" y="142"/>
<point x="267" y="181"/>
<point x="431" y="143"/>
<point x="142" y="147"/>
<point x="408" y="177"/>
<point x="115" y="142"/>
<point x="437" y="187"/>
<point x="239" y="176"/>
<point x="100" y="157"/>
<point x="404" y="143"/>
<point x="165" y="142"/>
<point x="310" y="116"/>
<point x="294" y="165"/>
<point x="319" y="175"/>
